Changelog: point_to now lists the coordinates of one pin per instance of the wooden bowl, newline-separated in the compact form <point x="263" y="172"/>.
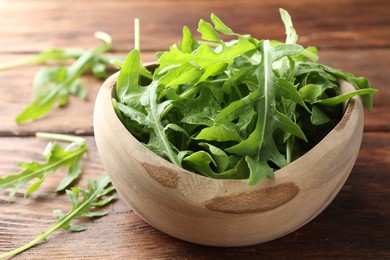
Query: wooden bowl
<point x="225" y="213"/>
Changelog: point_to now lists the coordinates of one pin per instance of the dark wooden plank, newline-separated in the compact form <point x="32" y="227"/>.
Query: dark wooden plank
<point x="27" y="26"/>
<point x="355" y="226"/>
<point x="16" y="91"/>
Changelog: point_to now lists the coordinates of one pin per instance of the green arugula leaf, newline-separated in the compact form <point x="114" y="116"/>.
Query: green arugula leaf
<point x="201" y="110"/>
<point x="188" y="44"/>
<point x="82" y="203"/>
<point x="220" y="26"/>
<point x="56" y="157"/>
<point x="54" y="85"/>
<point x="128" y="80"/>
<point x="343" y="97"/>
<point x="219" y="133"/>
<point x="208" y="32"/>
<point x="202" y="162"/>
<point x="318" y="117"/>
<point x="291" y="34"/>
<point x="258" y="170"/>
<point x="147" y="112"/>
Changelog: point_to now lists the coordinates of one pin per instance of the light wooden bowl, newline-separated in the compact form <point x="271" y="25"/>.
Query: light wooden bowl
<point x="215" y="212"/>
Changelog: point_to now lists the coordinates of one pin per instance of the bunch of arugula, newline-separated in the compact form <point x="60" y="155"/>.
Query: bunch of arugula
<point x="236" y="109"/>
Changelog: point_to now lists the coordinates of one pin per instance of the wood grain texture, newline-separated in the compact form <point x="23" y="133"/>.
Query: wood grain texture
<point x="27" y="25"/>
<point x="353" y="35"/>
<point x="355" y="226"/>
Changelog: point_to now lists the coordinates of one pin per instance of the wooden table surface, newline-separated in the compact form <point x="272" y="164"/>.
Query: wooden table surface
<point x="353" y="35"/>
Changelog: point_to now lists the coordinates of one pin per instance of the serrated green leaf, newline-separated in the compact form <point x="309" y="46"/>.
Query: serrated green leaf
<point x="287" y="90"/>
<point x="59" y="213"/>
<point x="54" y="85"/>
<point x="78" y="90"/>
<point x="128" y="79"/>
<point x="359" y="83"/>
<point x="291" y="34"/>
<point x="220" y="158"/>
<point x="208" y="32"/>
<point x="201" y="110"/>
<point x="73" y="195"/>
<point x="220" y="26"/>
<point x="76" y="228"/>
<point x="99" y="70"/>
<point x="94" y="214"/>
<point x="343" y="97"/>
<point x="318" y="117"/>
<point x="43" y="103"/>
<point x="201" y="162"/>
<point x="181" y="75"/>
<point x="311" y="92"/>
<point x="218" y="133"/>
<point x="56" y="157"/>
<point x="106" y="201"/>
<point x="188" y="44"/>
<point x="237" y="108"/>
<point x="258" y="170"/>
<point x="35" y="186"/>
<point x="288" y="125"/>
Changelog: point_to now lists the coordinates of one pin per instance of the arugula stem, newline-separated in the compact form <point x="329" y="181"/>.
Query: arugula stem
<point x="137" y="41"/>
<point x="55" y="55"/>
<point x="60" y="137"/>
<point x="18" y="63"/>
<point x="311" y="56"/>
<point x="30" y="244"/>
<point x="289" y="148"/>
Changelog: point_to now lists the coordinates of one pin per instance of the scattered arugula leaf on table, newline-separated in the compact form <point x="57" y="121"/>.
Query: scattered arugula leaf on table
<point x="56" y="157"/>
<point x="237" y="109"/>
<point x="83" y="202"/>
<point x="54" y="85"/>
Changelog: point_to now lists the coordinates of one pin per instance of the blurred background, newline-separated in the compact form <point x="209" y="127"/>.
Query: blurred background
<point x="32" y="25"/>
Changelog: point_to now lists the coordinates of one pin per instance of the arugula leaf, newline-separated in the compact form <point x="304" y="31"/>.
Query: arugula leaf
<point x="188" y="44"/>
<point x="148" y="112"/>
<point x="97" y="195"/>
<point x="291" y="34"/>
<point x="54" y="85"/>
<point x="56" y="157"/>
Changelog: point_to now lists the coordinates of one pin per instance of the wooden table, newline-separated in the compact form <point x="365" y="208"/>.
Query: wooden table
<point x="351" y="34"/>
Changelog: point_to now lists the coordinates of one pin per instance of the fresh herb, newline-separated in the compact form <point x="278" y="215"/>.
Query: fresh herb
<point x="83" y="203"/>
<point x="56" y="157"/>
<point x="237" y="109"/>
<point x="54" y="85"/>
